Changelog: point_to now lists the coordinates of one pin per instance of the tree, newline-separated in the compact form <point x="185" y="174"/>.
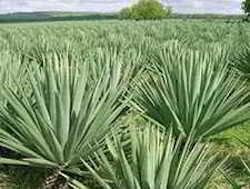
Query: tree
<point x="246" y="7"/>
<point x="126" y="13"/>
<point x="146" y="10"/>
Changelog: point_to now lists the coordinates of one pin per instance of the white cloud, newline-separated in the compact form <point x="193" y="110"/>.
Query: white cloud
<point x="207" y="6"/>
<point x="184" y="6"/>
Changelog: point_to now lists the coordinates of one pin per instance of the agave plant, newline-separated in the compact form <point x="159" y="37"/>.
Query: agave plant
<point x="12" y="66"/>
<point x="187" y="90"/>
<point x="66" y="118"/>
<point x="156" y="160"/>
<point x="235" y="184"/>
<point x="241" y="60"/>
<point x="246" y="144"/>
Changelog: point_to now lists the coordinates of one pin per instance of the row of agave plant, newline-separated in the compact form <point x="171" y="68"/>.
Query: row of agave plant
<point x="67" y="115"/>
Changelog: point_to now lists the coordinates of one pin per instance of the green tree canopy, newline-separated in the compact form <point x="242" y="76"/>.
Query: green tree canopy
<point x="146" y="10"/>
<point x="246" y="7"/>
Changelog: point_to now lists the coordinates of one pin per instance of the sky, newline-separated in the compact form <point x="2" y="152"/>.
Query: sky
<point x="179" y="6"/>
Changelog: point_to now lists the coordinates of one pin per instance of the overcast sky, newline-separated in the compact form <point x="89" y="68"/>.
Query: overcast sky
<point x="180" y="6"/>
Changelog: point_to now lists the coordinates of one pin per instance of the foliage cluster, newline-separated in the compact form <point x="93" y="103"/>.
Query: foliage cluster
<point x="246" y="7"/>
<point x="145" y="10"/>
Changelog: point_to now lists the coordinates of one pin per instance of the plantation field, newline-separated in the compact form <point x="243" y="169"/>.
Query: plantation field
<point x="68" y="86"/>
